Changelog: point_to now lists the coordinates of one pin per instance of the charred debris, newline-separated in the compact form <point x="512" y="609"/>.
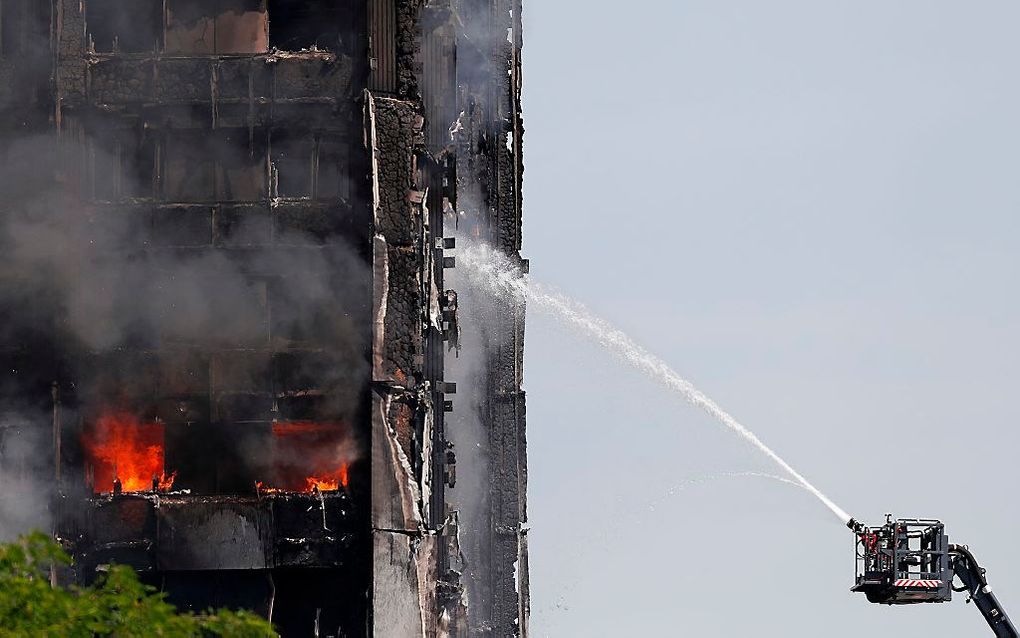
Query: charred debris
<point x="226" y="225"/>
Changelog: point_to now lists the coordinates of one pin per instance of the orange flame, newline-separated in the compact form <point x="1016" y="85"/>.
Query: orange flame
<point x="166" y="483"/>
<point x="310" y="456"/>
<point x="327" y="483"/>
<point x="262" y="488"/>
<point x="119" y="447"/>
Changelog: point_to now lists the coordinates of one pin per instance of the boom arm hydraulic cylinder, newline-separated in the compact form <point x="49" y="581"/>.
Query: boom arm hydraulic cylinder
<point x="972" y="576"/>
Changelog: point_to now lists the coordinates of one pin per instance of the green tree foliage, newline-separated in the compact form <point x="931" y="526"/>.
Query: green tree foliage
<point x="118" y="605"/>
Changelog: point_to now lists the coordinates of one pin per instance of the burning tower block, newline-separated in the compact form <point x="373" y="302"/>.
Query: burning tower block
<point x="223" y="341"/>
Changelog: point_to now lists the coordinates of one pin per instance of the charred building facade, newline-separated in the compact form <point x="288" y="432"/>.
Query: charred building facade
<point x="227" y="228"/>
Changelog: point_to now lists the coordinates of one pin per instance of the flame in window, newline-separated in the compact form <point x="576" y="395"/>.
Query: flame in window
<point x="311" y="456"/>
<point x="120" y="448"/>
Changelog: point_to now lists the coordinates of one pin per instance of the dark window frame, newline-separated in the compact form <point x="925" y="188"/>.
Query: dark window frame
<point x="155" y="23"/>
<point x="253" y="157"/>
<point x="222" y="157"/>
<point x="118" y="145"/>
<point x="319" y="147"/>
<point x="322" y="18"/>
<point x="282" y="143"/>
<point x="341" y="154"/>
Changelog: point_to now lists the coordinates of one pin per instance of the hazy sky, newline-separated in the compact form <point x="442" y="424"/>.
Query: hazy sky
<point x="811" y="209"/>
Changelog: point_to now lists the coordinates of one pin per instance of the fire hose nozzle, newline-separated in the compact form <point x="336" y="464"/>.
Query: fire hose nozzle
<point x="854" y="525"/>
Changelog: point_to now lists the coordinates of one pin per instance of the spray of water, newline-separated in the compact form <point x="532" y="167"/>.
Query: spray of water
<point x="702" y="479"/>
<point x="707" y="478"/>
<point x="495" y="271"/>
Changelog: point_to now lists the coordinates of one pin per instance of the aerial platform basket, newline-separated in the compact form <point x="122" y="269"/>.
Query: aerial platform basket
<point x="903" y="562"/>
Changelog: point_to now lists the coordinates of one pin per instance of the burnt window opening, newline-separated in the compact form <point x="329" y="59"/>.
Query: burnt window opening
<point x="241" y="165"/>
<point x="125" y="454"/>
<point x="310" y="167"/>
<point x="25" y="32"/>
<point x="190" y="168"/>
<point x="124" y="26"/>
<point x="224" y="165"/>
<point x="312" y="455"/>
<point x="333" y="176"/>
<point x="123" y="164"/>
<point x="293" y="159"/>
<point x="302" y="24"/>
<point x="216" y="27"/>
<point x="218" y="458"/>
<point x="212" y="453"/>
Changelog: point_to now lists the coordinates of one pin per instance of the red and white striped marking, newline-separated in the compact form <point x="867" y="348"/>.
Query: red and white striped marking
<point x="904" y="582"/>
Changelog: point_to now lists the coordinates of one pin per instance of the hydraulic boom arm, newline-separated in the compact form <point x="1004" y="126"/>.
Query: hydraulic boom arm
<point x="972" y="576"/>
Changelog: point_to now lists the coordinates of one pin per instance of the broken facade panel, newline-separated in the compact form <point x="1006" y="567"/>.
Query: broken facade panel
<point x="230" y="218"/>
